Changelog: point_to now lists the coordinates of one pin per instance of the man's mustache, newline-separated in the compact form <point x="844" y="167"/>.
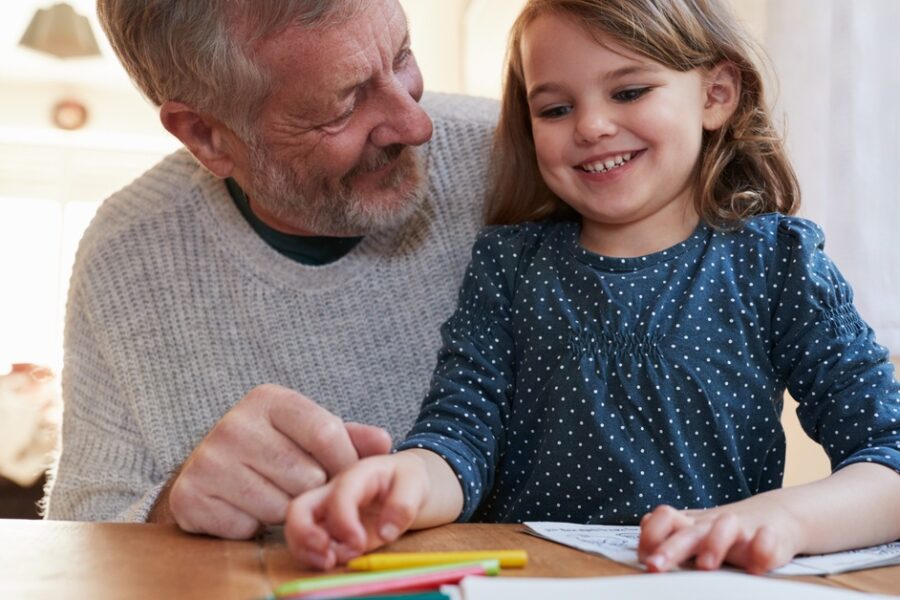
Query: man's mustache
<point x="384" y="157"/>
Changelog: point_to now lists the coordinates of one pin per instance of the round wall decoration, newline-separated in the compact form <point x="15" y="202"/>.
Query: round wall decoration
<point x="69" y="114"/>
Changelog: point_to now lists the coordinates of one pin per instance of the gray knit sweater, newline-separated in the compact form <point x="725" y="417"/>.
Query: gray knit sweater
<point x="177" y="309"/>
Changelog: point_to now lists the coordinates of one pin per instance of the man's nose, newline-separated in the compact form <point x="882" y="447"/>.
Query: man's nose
<point x="403" y="120"/>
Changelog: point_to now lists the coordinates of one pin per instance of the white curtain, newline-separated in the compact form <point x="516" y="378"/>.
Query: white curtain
<point x="838" y="64"/>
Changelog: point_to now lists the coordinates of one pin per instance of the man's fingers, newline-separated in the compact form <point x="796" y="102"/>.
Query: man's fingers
<point x="323" y="436"/>
<point x="216" y="517"/>
<point x="242" y="488"/>
<point x="257" y="496"/>
<point x="316" y="431"/>
<point x="273" y="445"/>
<point x="288" y="467"/>
<point x="368" y="439"/>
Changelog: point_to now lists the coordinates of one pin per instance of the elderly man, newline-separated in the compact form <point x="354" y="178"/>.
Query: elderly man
<point x="234" y="317"/>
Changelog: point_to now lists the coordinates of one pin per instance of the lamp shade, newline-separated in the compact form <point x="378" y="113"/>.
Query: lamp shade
<point x="60" y="31"/>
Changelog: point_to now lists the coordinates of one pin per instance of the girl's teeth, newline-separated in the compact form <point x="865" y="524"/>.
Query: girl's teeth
<point x="602" y="167"/>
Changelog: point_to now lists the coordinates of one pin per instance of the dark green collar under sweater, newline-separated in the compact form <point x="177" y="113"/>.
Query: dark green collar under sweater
<point x="306" y="249"/>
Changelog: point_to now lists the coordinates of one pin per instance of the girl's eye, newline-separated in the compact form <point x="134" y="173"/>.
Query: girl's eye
<point x="631" y="94"/>
<point x="555" y="112"/>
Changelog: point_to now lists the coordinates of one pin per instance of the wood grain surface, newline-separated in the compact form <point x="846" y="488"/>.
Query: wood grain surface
<point x="62" y="560"/>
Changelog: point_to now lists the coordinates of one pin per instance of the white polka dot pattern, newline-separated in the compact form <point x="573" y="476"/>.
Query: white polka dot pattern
<point x="577" y="387"/>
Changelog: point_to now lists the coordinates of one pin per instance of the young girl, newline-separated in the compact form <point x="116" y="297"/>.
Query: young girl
<point x="621" y="347"/>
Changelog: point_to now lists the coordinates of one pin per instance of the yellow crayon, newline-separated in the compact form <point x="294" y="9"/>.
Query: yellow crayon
<point x="402" y="560"/>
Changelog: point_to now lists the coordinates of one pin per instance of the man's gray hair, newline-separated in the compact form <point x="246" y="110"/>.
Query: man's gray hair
<point x="198" y="51"/>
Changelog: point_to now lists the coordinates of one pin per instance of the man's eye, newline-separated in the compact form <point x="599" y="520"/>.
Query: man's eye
<point x="402" y="58"/>
<point x="555" y="112"/>
<point x="631" y="94"/>
<point x="346" y="114"/>
<point x="338" y="122"/>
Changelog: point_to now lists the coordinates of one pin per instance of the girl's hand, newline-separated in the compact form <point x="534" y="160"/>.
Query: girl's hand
<point x="364" y="507"/>
<point x="754" y="537"/>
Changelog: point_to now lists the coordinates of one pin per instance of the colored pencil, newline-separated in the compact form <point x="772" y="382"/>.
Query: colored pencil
<point x="403" y="596"/>
<point x="430" y="577"/>
<point x="403" y="560"/>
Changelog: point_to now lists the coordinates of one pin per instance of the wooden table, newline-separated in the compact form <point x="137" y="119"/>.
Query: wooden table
<point x="59" y="560"/>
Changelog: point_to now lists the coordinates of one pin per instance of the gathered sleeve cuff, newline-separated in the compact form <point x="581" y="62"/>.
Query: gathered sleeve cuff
<point x="848" y="397"/>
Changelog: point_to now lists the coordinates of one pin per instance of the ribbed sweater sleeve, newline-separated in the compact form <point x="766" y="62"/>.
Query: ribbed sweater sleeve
<point x="106" y="469"/>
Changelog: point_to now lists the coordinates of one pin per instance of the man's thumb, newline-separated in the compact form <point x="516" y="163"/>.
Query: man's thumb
<point x="368" y="439"/>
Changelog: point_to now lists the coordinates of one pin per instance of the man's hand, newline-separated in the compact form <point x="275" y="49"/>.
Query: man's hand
<point x="272" y="446"/>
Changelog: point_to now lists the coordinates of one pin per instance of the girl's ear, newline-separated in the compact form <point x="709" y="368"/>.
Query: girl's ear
<point x="722" y="90"/>
<point x="206" y="138"/>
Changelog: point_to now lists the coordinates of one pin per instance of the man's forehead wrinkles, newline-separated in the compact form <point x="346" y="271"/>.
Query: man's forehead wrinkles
<point x="317" y="70"/>
<point x="353" y="70"/>
<point x="357" y="67"/>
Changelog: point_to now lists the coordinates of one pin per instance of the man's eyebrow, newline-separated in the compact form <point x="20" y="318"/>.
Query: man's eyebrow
<point x="611" y="76"/>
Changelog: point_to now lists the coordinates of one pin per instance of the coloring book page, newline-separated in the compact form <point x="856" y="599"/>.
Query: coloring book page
<point x="620" y="542"/>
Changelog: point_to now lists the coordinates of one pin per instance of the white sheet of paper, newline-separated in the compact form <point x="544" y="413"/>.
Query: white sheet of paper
<point x="619" y="543"/>
<point x="616" y="542"/>
<point x="685" y="585"/>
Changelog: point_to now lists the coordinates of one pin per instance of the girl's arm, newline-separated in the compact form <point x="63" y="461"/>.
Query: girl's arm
<point x="849" y="401"/>
<point x="852" y="508"/>
<point x="371" y="504"/>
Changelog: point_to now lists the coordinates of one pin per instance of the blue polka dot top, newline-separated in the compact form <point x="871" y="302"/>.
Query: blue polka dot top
<point x="577" y="387"/>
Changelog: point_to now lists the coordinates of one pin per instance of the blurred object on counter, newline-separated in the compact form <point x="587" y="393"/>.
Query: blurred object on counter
<point x="30" y="417"/>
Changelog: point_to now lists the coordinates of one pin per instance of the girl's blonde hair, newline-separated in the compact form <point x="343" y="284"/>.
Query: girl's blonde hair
<point x="743" y="169"/>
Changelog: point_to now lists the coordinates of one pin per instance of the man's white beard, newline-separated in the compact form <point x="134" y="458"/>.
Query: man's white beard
<point x="323" y="208"/>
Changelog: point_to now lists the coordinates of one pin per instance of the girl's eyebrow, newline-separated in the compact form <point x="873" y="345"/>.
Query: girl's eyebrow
<point x="542" y="88"/>
<point x="611" y="76"/>
<point x="632" y="70"/>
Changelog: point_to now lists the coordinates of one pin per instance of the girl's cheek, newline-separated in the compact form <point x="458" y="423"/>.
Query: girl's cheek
<point x="544" y="146"/>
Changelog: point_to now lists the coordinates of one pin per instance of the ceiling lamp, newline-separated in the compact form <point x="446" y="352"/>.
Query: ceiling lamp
<point x="60" y="31"/>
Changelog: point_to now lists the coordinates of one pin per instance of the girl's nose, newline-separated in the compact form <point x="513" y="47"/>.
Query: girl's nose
<point x="592" y="126"/>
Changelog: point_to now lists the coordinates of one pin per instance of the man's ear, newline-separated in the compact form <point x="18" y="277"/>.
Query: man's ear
<point x="722" y="90"/>
<point x="208" y="139"/>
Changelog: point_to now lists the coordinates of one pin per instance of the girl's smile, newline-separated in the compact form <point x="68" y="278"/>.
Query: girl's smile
<point x="606" y="167"/>
<point x="617" y="135"/>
